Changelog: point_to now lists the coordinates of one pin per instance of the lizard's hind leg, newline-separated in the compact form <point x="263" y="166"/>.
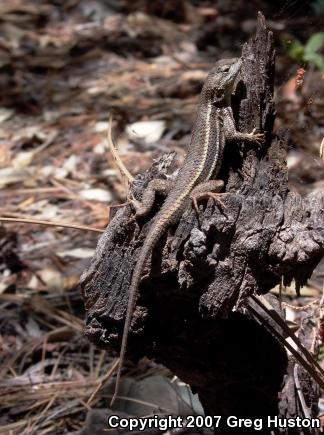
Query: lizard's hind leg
<point x="143" y="207"/>
<point x="207" y="189"/>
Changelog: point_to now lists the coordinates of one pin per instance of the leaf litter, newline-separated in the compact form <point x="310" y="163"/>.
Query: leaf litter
<point x="65" y="68"/>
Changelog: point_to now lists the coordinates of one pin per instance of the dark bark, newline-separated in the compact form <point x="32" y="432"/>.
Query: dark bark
<point x="205" y="268"/>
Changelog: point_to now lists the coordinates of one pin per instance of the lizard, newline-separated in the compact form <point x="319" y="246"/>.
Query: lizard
<point x="214" y="125"/>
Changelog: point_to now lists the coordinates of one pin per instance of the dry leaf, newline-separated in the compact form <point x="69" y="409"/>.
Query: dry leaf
<point x="149" y="131"/>
<point x="96" y="195"/>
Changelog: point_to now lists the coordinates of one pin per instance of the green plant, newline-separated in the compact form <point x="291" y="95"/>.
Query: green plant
<point x="310" y="52"/>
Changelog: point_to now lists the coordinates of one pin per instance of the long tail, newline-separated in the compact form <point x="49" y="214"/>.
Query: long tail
<point x="132" y="298"/>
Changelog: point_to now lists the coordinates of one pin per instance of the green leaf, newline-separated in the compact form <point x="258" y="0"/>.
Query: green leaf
<point x="315" y="43"/>
<point x="296" y="51"/>
<point x="316" y="59"/>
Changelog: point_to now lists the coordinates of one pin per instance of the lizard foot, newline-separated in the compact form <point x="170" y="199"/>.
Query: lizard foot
<point x="206" y="195"/>
<point x="206" y="190"/>
<point x="254" y="137"/>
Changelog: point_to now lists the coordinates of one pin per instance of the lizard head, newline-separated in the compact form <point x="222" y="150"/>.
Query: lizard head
<point x="219" y="83"/>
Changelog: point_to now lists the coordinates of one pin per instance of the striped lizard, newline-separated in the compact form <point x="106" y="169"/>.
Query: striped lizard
<point x="195" y="181"/>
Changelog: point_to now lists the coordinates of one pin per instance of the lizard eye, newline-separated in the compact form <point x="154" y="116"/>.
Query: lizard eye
<point x="225" y="68"/>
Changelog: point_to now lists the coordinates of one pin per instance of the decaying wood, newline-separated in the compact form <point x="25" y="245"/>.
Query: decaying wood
<point x="299" y="395"/>
<point x="189" y="314"/>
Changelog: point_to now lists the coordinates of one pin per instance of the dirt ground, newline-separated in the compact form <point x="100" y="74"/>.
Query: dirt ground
<point x="65" y="66"/>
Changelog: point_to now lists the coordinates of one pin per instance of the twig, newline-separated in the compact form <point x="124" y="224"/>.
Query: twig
<point x="107" y="376"/>
<point x="52" y="224"/>
<point x="310" y="370"/>
<point x="307" y="362"/>
<point x="268" y="308"/>
<point x="301" y="308"/>
<point x="114" y="151"/>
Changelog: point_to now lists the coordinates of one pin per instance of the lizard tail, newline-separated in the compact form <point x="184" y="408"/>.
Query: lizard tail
<point x="132" y="298"/>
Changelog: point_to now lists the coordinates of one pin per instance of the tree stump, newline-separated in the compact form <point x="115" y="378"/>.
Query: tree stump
<point x="190" y="312"/>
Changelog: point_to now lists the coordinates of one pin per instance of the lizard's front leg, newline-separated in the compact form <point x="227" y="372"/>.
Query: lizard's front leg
<point x="256" y="138"/>
<point x="143" y="207"/>
<point x="232" y="134"/>
<point x="207" y="189"/>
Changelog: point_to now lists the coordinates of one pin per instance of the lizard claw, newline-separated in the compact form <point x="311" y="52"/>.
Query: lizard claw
<point x="257" y="138"/>
<point x="216" y="198"/>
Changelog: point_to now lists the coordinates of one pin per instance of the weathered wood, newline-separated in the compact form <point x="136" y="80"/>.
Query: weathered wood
<point x="206" y="267"/>
<point x="290" y="404"/>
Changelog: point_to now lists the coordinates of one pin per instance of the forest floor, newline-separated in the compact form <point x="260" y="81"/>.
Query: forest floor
<point x="64" y="67"/>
